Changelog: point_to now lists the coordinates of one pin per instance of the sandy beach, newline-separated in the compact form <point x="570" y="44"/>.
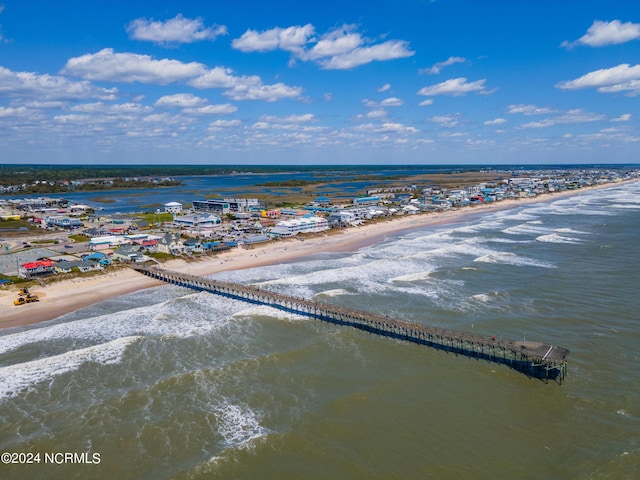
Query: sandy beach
<point x="59" y="298"/>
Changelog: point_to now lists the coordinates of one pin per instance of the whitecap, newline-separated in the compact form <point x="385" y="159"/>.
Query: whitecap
<point x="160" y="319"/>
<point x="508" y="258"/>
<point x="412" y="277"/>
<point x="625" y="206"/>
<point x="555" y="238"/>
<point x="526" y="229"/>
<point x="267" y="311"/>
<point x="570" y="230"/>
<point x="336" y="292"/>
<point x="237" y="424"/>
<point x="482" y="297"/>
<point x="15" y="378"/>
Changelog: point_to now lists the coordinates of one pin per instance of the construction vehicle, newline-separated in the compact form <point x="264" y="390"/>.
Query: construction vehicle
<point x="28" y="298"/>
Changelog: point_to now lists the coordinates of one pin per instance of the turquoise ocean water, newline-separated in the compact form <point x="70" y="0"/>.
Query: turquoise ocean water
<point x="171" y="384"/>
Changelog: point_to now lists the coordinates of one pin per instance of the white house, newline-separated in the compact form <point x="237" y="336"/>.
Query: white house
<point x="289" y="228"/>
<point x="193" y="221"/>
<point x="173" y="207"/>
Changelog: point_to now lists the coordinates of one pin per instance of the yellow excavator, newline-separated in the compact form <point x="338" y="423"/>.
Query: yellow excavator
<point x="25" y="297"/>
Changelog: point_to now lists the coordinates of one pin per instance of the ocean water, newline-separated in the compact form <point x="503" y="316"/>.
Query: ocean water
<point x="172" y="384"/>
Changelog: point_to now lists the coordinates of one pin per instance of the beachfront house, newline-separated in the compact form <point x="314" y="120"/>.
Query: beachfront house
<point x="129" y="253"/>
<point x="343" y="218"/>
<point x="65" y="266"/>
<point x="218" y="246"/>
<point x="307" y="224"/>
<point x="171" y="243"/>
<point x="99" y="257"/>
<point x="458" y="198"/>
<point x="36" y="269"/>
<point x="192" y="245"/>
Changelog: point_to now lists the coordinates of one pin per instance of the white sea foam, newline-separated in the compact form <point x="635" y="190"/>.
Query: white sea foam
<point x="528" y="228"/>
<point x="206" y="313"/>
<point x="266" y="311"/>
<point x="628" y="206"/>
<point x="469" y="246"/>
<point x="487" y="224"/>
<point x="336" y="292"/>
<point x="570" y="230"/>
<point x="482" y="297"/>
<point x="411" y="277"/>
<point x="506" y="240"/>
<point x="517" y="216"/>
<point x="237" y="424"/>
<point x="508" y="258"/>
<point x="555" y="238"/>
<point x="15" y="378"/>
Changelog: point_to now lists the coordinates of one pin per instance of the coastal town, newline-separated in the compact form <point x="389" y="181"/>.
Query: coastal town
<point x="62" y="237"/>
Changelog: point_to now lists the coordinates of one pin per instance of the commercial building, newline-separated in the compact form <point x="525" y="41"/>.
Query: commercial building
<point x="226" y="205"/>
<point x="289" y="228"/>
<point x="193" y="221"/>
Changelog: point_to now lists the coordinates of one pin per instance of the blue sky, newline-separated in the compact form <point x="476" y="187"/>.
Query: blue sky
<point x="283" y="82"/>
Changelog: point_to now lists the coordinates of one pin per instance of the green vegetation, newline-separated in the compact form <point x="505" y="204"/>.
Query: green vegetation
<point x="154" y="218"/>
<point x="44" y="242"/>
<point x="15" y="279"/>
<point x="291" y="183"/>
<point x="13" y="224"/>
<point x="78" y="238"/>
<point x="95" y="186"/>
<point x="161" y="256"/>
<point x="18" y="174"/>
<point x="103" y="200"/>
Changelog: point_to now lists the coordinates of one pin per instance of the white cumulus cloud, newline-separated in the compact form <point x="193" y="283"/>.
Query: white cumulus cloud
<point x="607" y="33"/>
<point x="342" y="48"/>
<point x="304" y="118"/>
<point x="621" y="78"/>
<point x="454" y="87"/>
<point x="47" y="87"/>
<point x="181" y="100"/>
<point x="106" y="65"/>
<point x="175" y="30"/>
<point x="495" y="121"/>
<point x="220" y="109"/>
<point x="529" y="109"/>
<point x="625" y="117"/>
<point x="291" y="39"/>
<point x="387" y="102"/>
<point x="220" y="124"/>
<point x="437" y="68"/>
<point x="576" y="115"/>
<point x="447" y="120"/>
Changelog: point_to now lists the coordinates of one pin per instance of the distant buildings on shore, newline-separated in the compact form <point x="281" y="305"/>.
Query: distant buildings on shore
<point x="218" y="224"/>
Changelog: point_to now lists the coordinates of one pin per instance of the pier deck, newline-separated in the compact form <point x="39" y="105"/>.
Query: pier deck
<point x="534" y="359"/>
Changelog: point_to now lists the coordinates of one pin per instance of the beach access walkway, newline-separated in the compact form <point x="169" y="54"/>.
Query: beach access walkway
<point x="534" y="359"/>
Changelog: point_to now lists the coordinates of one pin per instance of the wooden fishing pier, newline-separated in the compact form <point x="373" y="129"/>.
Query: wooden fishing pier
<point x="534" y="359"/>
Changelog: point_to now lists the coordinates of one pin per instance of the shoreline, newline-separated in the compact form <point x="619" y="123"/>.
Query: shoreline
<point x="60" y="298"/>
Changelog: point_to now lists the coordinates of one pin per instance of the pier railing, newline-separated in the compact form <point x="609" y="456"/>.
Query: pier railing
<point x="534" y="359"/>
